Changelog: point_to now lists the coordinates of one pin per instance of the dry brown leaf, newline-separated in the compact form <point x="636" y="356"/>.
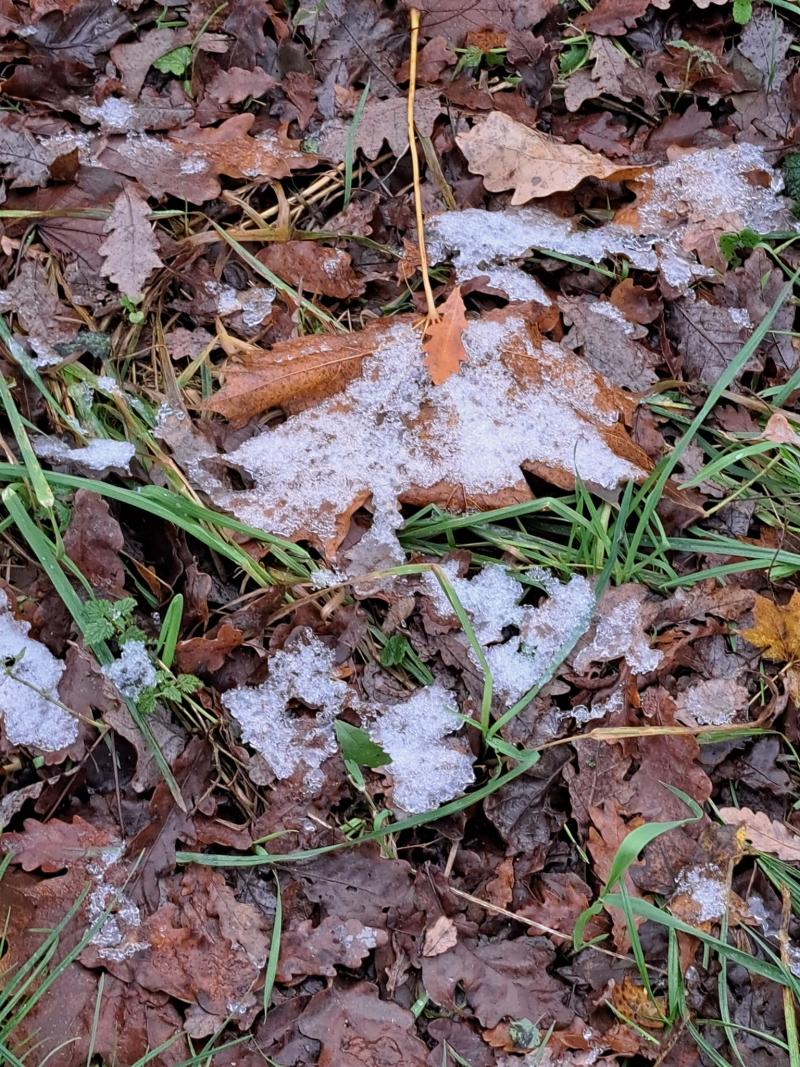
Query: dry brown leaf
<point x="382" y="120"/>
<point x="763" y="833"/>
<point x="780" y="430"/>
<point x="313" y="267"/>
<point x="234" y="85"/>
<point x="443" y="345"/>
<point x="510" y="155"/>
<point x="440" y="937"/>
<point x="129" y="249"/>
<point x="293" y="374"/>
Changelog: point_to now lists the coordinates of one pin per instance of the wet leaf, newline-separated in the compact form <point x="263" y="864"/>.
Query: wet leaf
<point x="762" y="833"/>
<point x="443" y="345"/>
<point x="129" y="250"/>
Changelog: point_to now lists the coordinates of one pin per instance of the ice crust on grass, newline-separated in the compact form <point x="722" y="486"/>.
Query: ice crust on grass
<point x="287" y="740"/>
<point x="132" y="671"/>
<point x="98" y="454"/>
<point x="29" y="688"/>
<point x="390" y="430"/>
<point x="428" y="766"/>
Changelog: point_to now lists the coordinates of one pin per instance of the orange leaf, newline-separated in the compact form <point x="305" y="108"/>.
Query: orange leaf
<point x="443" y="346"/>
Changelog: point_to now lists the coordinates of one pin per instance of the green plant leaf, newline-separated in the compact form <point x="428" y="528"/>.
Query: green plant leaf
<point x="395" y="651"/>
<point x="175" y="62"/>
<point x="357" y="747"/>
<point x="742" y="11"/>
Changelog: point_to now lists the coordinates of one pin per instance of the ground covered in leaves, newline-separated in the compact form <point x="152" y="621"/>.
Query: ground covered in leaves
<point x="400" y="629"/>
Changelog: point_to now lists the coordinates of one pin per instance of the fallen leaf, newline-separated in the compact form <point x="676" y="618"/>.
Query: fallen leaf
<point x="636" y="302"/>
<point x="440" y="936"/>
<point x="541" y="408"/>
<point x="613" y="18"/>
<point x="46" y="320"/>
<point x="129" y="250"/>
<point x="510" y="155"/>
<point x="634" y="1002"/>
<point x="780" y="430"/>
<point x="764" y="834"/>
<point x="307" y="949"/>
<point x="133" y="59"/>
<point x="189" y="163"/>
<point x="610" y="343"/>
<point x="355" y="1028"/>
<point x="381" y="120"/>
<point x="359" y="885"/>
<point x="235" y="84"/>
<point x="442" y="344"/>
<point x="776" y="629"/>
<point x="500" y="979"/>
<point x="313" y="267"/>
<point x="93" y="540"/>
<point x="454" y="19"/>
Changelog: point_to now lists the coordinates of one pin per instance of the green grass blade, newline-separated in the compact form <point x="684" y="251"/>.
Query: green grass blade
<point x="350" y="145"/>
<point x="41" y="490"/>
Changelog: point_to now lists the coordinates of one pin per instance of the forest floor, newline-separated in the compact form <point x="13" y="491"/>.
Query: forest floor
<point x="399" y="610"/>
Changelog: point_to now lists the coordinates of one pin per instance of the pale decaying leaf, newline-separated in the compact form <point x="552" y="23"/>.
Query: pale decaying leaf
<point x="381" y="121"/>
<point x="764" y="834"/>
<point x="390" y="437"/>
<point x="129" y="250"/>
<point x="510" y="155"/>
<point x="440" y="936"/>
<point x="443" y="345"/>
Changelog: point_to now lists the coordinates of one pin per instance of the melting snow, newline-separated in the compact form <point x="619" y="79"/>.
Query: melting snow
<point x="29" y="688"/>
<point x="491" y="599"/>
<point x="711" y="184"/>
<point x="619" y="635"/>
<point x="113" y="114"/>
<point x="712" y="702"/>
<point x="114" y="938"/>
<point x="287" y="741"/>
<point x="428" y="766"/>
<point x="707" y="891"/>
<point x="133" y="671"/>
<point x="98" y="454"/>
<point x="382" y="435"/>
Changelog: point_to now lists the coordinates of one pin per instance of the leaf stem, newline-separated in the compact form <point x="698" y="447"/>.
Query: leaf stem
<point x="433" y="314"/>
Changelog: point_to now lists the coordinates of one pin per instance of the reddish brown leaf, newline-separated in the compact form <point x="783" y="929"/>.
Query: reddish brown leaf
<point x="93" y="541"/>
<point x="313" y="267"/>
<point x="308" y="949"/>
<point x="443" y="345"/>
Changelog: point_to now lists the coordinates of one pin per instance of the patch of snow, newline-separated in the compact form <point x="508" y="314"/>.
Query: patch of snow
<point x="115" y="114"/>
<point x="108" y="384"/>
<point x="381" y="434"/>
<point x="227" y="300"/>
<point x="610" y="311"/>
<point x="600" y="709"/>
<point x="619" y="635"/>
<point x="29" y="688"/>
<point x="98" y="454"/>
<point x="323" y="578"/>
<point x="132" y="671"/>
<point x="741" y="316"/>
<point x="286" y="740"/>
<point x="256" y="305"/>
<point x="193" y="165"/>
<point x="114" y="937"/>
<point x="428" y="766"/>
<point x="707" y="891"/>
<point x="491" y="599"/>
<point x="712" y="701"/>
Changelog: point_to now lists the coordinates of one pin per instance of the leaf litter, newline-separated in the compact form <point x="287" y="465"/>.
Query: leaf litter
<point x="609" y="208"/>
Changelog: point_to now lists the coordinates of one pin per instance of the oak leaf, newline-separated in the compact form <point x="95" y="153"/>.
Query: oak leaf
<point x="129" y="249"/>
<point x="443" y="344"/>
<point x="511" y="155"/>
<point x="440" y="937"/>
<point x="776" y="629"/>
<point x="763" y="833"/>
<point x="314" y="268"/>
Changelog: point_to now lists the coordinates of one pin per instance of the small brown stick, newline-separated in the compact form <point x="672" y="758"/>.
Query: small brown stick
<point x="433" y="314"/>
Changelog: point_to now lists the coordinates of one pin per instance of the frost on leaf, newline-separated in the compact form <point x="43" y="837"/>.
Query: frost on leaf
<point x="29" y="689"/>
<point x="619" y="632"/>
<point x="428" y="767"/>
<point x="288" y="740"/>
<point x="390" y="436"/>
